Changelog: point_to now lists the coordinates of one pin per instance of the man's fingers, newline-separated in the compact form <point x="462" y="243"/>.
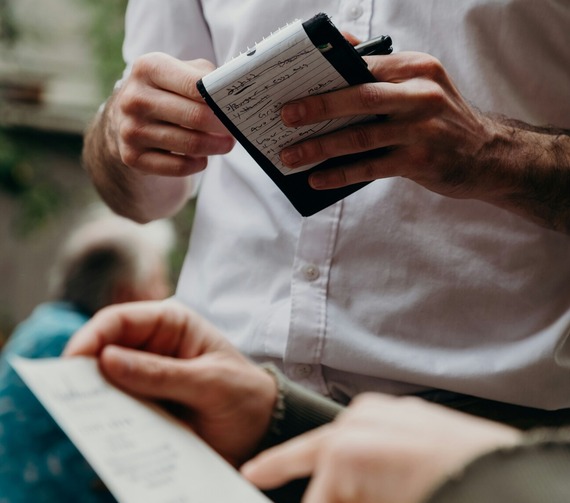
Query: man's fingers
<point x="166" y="72"/>
<point x="406" y="82"/>
<point x="149" y="375"/>
<point x="351" y="38"/>
<point x="177" y="139"/>
<point x="164" y="106"/>
<point x="162" y="163"/>
<point x="382" y="98"/>
<point x="385" y="164"/>
<point x="402" y="66"/>
<point x="323" y="488"/>
<point x="292" y="460"/>
<point x="131" y="325"/>
<point x="359" y="138"/>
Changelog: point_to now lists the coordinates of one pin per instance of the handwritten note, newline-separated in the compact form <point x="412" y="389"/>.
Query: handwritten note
<point x="139" y="451"/>
<point x="252" y="88"/>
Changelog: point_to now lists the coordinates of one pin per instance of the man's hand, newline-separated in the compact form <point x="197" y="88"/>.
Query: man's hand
<point x="164" y="351"/>
<point x="159" y="122"/>
<point x="431" y="135"/>
<point x="155" y="125"/>
<point x="380" y="449"/>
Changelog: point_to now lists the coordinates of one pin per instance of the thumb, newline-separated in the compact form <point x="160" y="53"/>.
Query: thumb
<point x="149" y="375"/>
<point x="351" y="38"/>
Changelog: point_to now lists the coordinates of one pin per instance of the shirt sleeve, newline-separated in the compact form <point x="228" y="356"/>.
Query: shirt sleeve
<point x="297" y="410"/>
<point x="175" y="27"/>
<point x="534" y="471"/>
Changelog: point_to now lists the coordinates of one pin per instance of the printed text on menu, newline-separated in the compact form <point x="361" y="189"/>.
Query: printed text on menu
<point x="140" y="453"/>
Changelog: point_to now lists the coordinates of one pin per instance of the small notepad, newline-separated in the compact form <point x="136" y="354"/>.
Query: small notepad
<point x="247" y="93"/>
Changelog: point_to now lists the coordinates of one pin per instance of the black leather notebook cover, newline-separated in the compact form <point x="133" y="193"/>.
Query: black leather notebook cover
<point x="348" y="63"/>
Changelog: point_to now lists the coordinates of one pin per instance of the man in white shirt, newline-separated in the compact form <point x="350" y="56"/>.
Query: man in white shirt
<point x="448" y="272"/>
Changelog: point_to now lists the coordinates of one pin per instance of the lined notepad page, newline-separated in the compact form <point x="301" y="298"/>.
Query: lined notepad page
<point x="252" y="88"/>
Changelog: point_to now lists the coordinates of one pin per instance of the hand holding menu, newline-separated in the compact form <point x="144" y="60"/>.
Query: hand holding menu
<point x="247" y="93"/>
<point x="141" y="453"/>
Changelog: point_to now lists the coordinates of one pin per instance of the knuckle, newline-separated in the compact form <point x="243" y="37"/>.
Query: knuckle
<point x="156" y="373"/>
<point x="191" y="75"/>
<point x="140" y="67"/>
<point x="193" y="115"/>
<point x="134" y="102"/>
<point x="189" y="84"/>
<point x="367" y="170"/>
<point x="369" y="94"/>
<point x="191" y="144"/>
<point x="107" y="312"/>
<point x="361" y="138"/>
<point x="321" y="105"/>
<point x="130" y="132"/>
<point x="315" y="149"/>
<point x="434" y="97"/>
<point x="430" y="67"/>
<point x="422" y="156"/>
<point x="183" y="166"/>
<point x="130" y="156"/>
<point x="147" y="64"/>
<point x="128" y="150"/>
<point x="363" y="400"/>
<point x="204" y="65"/>
<point x="343" y="178"/>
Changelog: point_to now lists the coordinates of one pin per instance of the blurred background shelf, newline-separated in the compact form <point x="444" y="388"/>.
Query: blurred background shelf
<point x="58" y="60"/>
<point x="68" y="119"/>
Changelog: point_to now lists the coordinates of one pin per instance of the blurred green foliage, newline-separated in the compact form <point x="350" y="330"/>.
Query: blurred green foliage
<point x="24" y="155"/>
<point x="24" y="177"/>
<point x="8" y="27"/>
<point x="106" y="35"/>
<point x="40" y="197"/>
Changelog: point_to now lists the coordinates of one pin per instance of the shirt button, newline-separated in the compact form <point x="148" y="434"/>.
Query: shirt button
<point x="355" y="12"/>
<point x="303" y="370"/>
<point x="311" y="272"/>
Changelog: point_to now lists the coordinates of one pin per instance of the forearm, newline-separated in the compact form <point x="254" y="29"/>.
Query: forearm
<point x="433" y="137"/>
<point x="527" y="171"/>
<point x="129" y="193"/>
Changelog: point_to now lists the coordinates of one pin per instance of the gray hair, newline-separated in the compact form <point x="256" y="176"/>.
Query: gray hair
<point x="106" y="251"/>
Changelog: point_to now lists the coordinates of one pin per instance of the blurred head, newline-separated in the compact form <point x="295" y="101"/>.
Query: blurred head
<point x="108" y="259"/>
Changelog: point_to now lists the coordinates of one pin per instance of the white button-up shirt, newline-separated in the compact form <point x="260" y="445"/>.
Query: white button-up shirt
<point x="394" y="288"/>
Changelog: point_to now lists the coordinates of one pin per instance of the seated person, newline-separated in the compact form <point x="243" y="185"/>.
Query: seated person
<point x="381" y="448"/>
<point x="105" y="260"/>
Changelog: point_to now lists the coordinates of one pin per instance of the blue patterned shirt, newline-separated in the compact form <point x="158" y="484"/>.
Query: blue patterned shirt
<point x="37" y="461"/>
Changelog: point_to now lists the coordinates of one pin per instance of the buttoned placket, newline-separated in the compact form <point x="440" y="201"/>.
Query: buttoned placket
<point x="314" y="254"/>
<point x="309" y="286"/>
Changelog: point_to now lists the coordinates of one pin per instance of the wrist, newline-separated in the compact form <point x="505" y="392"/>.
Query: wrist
<point x="526" y="170"/>
<point x="296" y="410"/>
<point x="110" y="134"/>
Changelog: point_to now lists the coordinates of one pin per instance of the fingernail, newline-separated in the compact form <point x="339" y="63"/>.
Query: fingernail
<point x="116" y="361"/>
<point x="290" y="156"/>
<point x="248" y="469"/>
<point x="245" y="468"/>
<point x="317" y="181"/>
<point x="293" y="113"/>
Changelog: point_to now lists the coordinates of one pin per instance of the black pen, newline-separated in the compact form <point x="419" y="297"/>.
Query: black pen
<point x="375" y="46"/>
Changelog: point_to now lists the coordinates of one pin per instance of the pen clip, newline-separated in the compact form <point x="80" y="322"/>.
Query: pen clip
<point x="375" y="46"/>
